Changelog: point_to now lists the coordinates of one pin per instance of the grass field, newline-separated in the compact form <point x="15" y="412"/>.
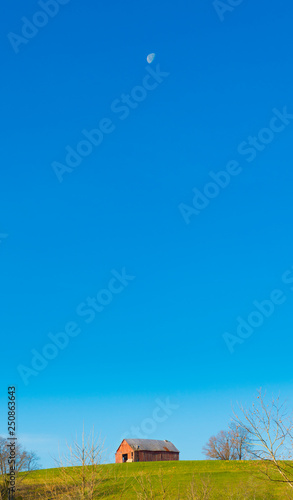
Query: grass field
<point x="132" y="481"/>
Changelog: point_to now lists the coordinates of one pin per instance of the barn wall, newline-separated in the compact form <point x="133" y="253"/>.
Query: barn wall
<point x="156" y="456"/>
<point x="123" y="448"/>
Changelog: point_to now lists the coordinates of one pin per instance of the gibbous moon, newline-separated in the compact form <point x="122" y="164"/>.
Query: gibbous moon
<point x="150" y="58"/>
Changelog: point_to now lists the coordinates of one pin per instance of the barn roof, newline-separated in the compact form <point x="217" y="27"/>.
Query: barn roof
<point x="151" y="445"/>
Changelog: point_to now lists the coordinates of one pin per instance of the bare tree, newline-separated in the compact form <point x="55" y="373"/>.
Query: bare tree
<point x="144" y="487"/>
<point x="228" y="445"/>
<point x="241" y="446"/>
<point x="153" y="487"/>
<point x="158" y="487"/>
<point x="218" y="447"/>
<point x="269" y="427"/>
<point x="25" y="461"/>
<point x="80" y="472"/>
<point x="200" y="489"/>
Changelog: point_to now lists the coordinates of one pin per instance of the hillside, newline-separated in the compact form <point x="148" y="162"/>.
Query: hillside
<point x="228" y="480"/>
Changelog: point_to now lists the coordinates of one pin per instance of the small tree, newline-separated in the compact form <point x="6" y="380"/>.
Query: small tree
<point x="200" y="489"/>
<point x="25" y="461"/>
<point x="218" y="447"/>
<point x="148" y="487"/>
<point x="228" y="445"/>
<point x="80" y="472"/>
<point x="269" y="427"/>
<point x="242" y="448"/>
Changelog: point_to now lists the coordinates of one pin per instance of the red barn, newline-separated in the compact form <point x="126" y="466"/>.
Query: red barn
<point x="145" y="450"/>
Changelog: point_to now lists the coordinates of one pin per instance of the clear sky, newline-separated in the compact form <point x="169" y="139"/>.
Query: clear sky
<point x="129" y="217"/>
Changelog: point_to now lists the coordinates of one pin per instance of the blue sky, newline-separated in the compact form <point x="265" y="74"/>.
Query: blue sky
<point x="223" y="81"/>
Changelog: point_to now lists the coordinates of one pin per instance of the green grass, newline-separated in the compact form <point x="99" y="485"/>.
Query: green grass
<point x="241" y="478"/>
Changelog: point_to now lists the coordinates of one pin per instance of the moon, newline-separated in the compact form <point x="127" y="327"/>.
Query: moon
<point x="151" y="57"/>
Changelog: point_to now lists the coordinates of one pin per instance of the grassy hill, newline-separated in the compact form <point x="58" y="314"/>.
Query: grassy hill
<point x="133" y="481"/>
